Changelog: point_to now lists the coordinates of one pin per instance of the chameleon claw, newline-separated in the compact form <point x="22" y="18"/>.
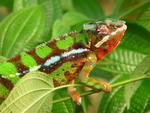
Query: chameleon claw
<point x="106" y="87"/>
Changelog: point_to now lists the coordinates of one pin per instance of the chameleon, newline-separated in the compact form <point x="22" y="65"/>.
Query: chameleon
<point x="67" y="57"/>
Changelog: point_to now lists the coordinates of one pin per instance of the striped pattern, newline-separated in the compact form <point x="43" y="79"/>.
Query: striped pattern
<point x="47" y="57"/>
<point x="70" y="51"/>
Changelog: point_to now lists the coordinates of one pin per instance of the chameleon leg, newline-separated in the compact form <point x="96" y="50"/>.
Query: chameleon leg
<point x="91" y="61"/>
<point x="74" y="95"/>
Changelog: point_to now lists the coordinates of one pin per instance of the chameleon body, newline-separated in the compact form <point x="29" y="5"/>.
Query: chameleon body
<point x="64" y="58"/>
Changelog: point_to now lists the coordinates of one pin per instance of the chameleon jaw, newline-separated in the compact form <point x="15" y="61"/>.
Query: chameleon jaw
<point x="121" y="29"/>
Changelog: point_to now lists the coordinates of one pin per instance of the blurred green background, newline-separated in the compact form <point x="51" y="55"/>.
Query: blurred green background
<point x="26" y="23"/>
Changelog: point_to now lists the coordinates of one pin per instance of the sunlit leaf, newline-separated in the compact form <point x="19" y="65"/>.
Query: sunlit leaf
<point x="52" y="11"/>
<point x="59" y="29"/>
<point x="144" y="18"/>
<point x="90" y="8"/>
<point x="65" y="24"/>
<point x="63" y="107"/>
<point x="131" y="93"/>
<point x="21" y="29"/>
<point x="121" y="61"/>
<point x="32" y="94"/>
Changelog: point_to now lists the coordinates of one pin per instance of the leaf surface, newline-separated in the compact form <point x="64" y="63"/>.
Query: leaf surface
<point x="52" y="10"/>
<point x="32" y="94"/>
<point x="21" y="29"/>
<point x="65" y="106"/>
<point x="90" y="8"/>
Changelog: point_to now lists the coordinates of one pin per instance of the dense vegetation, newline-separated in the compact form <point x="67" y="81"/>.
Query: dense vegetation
<point x="26" y="23"/>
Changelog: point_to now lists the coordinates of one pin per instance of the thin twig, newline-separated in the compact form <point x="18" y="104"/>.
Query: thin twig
<point x="96" y="91"/>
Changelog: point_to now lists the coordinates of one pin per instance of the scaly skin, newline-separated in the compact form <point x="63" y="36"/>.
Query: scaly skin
<point x="66" y="57"/>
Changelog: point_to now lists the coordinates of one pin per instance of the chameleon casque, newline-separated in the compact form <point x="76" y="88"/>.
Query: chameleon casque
<point x="73" y="54"/>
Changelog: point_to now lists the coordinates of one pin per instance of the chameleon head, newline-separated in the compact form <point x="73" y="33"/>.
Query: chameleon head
<point x="105" y="35"/>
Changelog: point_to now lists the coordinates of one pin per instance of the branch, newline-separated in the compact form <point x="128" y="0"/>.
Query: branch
<point x="96" y="91"/>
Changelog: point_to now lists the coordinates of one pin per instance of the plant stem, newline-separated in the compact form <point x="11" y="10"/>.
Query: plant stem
<point x="95" y="91"/>
<point x="128" y="81"/>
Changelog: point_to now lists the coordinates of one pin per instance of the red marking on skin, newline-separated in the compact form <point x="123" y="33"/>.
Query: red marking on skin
<point x="100" y="53"/>
<point x="78" y="64"/>
<point x="109" y="45"/>
<point x="14" y="59"/>
<point x="69" y="76"/>
<point x="19" y="66"/>
<point x="7" y="83"/>
<point x="35" y="56"/>
<point x="77" y="58"/>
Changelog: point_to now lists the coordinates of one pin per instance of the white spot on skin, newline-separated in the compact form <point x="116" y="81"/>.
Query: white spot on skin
<point x="18" y="74"/>
<point x="74" y="51"/>
<point x="35" y="68"/>
<point x="52" y="60"/>
<point x="55" y="59"/>
<point x="113" y="33"/>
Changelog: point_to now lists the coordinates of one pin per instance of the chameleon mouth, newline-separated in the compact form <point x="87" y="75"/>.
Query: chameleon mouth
<point x="105" y="38"/>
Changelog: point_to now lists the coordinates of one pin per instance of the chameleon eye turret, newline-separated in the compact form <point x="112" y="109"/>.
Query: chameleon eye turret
<point x="89" y="27"/>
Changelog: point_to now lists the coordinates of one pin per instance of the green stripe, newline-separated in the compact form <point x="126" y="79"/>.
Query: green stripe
<point x="65" y="43"/>
<point x="8" y="71"/>
<point x="28" y="60"/>
<point x="43" y="51"/>
<point x="7" y="68"/>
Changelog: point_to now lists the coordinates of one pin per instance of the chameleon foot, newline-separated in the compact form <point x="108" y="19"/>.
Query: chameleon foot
<point x="98" y="85"/>
<point x="105" y="86"/>
<point x="75" y="95"/>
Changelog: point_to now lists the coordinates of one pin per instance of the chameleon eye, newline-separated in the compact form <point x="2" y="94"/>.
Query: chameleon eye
<point x="89" y="26"/>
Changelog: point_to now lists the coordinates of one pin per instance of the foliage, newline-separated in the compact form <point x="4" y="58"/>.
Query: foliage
<point x="32" y="94"/>
<point x="31" y="22"/>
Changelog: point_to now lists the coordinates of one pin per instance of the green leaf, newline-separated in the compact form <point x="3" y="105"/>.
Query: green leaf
<point x="72" y="18"/>
<point x="144" y="18"/>
<point x="32" y="94"/>
<point x="136" y="39"/>
<point x="116" y="8"/>
<point x="65" y="24"/>
<point x="140" y="98"/>
<point x="117" y="100"/>
<point x="147" y="108"/>
<point x="114" y="102"/>
<point x="131" y="6"/>
<point x="52" y="10"/>
<point x="2" y="59"/>
<point x="121" y="61"/>
<point x="84" y="100"/>
<point x="65" y="106"/>
<point x="7" y="3"/>
<point x="90" y="8"/>
<point x="21" y="29"/>
<point x="141" y="69"/>
<point x="59" y="29"/>
<point x="67" y="5"/>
